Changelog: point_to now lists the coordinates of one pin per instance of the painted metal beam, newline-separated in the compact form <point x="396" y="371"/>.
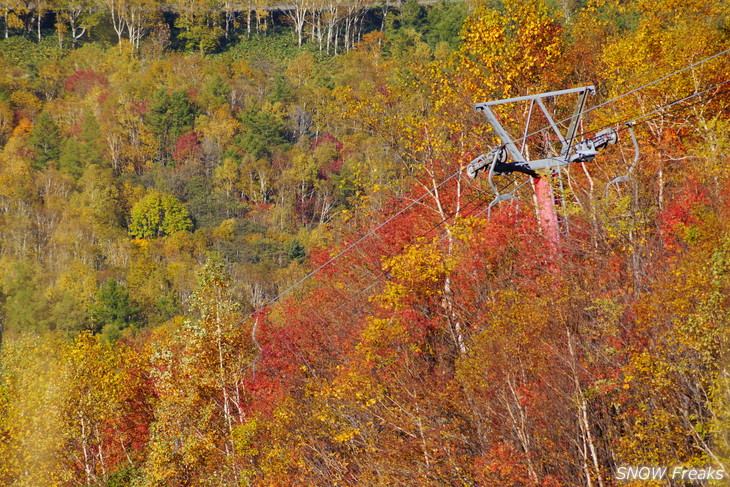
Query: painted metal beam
<point x="591" y="89"/>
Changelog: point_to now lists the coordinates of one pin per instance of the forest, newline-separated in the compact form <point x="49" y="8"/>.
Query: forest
<point x="238" y="244"/>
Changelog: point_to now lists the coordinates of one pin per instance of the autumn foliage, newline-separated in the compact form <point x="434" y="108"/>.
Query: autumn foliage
<point x="238" y="247"/>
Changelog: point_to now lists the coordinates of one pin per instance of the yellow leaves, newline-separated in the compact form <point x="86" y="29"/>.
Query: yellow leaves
<point x="481" y="27"/>
<point x="681" y="328"/>
<point x="658" y="46"/>
<point x="220" y="127"/>
<point x="418" y="269"/>
<point x="16" y="180"/>
<point x="382" y="341"/>
<point x="142" y="244"/>
<point x="35" y="376"/>
<point x="301" y="69"/>
<point x="244" y="435"/>
<point x="519" y="326"/>
<point x="227" y="176"/>
<point x="506" y="52"/>
<point x="15" y="21"/>
<point x="462" y="230"/>
<point x="346" y="435"/>
<point x="420" y="262"/>
<point x="225" y="230"/>
<point x="6" y="120"/>
<point x="97" y="383"/>
<point x="26" y="100"/>
<point x="393" y="295"/>
<point x="340" y="407"/>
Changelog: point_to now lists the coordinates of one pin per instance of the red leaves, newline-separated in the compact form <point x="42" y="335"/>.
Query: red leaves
<point x="83" y="81"/>
<point x="682" y="216"/>
<point x="140" y="107"/>
<point x="127" y="434"/>
<point x="187" y="148"/>
<point x="326" y="137"/>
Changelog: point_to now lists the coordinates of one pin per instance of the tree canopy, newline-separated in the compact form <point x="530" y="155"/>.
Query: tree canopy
<point x="238" y="245"/>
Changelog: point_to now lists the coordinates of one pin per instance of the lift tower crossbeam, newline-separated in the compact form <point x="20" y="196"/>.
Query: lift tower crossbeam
<point x="570" y="152"/>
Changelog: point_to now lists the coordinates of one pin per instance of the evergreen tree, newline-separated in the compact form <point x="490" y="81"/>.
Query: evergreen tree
<point x="80" y="152"/>
<point x="169" y="117"/>
<point x="114" y="310"/>
<point x="444" y="23"/>
<point x="262" y="132"/>
<point x="44" y="141"/>
<point x="296" y="251"/>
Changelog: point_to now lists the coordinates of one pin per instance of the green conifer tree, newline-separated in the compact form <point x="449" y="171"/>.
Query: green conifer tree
<point x="44" y="141"/>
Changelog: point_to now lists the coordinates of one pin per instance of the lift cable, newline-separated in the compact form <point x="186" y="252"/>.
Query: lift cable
<point x="362" y="238"/>
<point x="656" y="112"/>
<point x="641" y="119"/>
<point x="623" y="95"/>
<point x="644" y="118"/>
<point x="656" y="81"/>
<point x="482" y="201"/>
<point x="624" y="125"/>
<point x="659" y="110"/>
<point x="430" y="192"/>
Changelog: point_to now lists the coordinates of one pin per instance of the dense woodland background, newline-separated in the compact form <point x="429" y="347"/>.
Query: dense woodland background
<point x="168" y="170"/>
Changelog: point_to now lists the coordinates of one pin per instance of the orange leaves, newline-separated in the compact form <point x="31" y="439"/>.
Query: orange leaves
<point x="503" y="465"/>
<point x="481" y="359"/>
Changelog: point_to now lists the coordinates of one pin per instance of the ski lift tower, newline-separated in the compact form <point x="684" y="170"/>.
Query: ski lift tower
<point x="496" y="162"/>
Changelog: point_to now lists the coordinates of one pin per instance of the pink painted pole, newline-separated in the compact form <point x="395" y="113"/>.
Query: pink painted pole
<point x="546" y="210"/>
